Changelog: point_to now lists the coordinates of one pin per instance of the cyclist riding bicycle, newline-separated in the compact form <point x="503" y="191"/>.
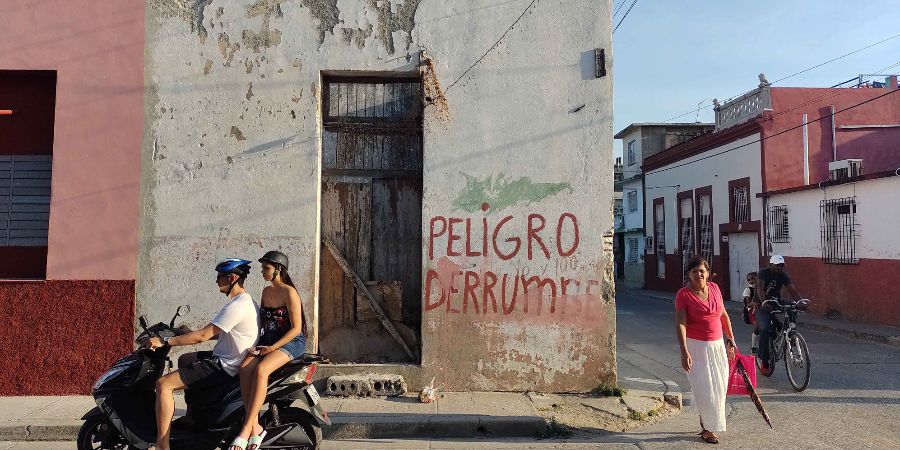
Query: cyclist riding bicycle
<point x="770" y="280"/>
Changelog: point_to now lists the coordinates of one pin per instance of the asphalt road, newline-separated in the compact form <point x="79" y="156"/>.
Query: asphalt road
<point x="853" y="400"/>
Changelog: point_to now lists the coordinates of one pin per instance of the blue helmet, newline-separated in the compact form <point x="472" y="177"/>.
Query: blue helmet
<point x="240" y="267"/>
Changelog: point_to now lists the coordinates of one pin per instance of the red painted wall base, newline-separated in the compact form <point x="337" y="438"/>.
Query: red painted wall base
<point x="864" y="292"/>
<point x="59" y="336"/>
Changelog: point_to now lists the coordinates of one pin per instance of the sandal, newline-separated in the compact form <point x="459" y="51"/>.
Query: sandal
<point x="239" y="442"/>
<point x="256" y="441"/>
<point x="708" y="436"/>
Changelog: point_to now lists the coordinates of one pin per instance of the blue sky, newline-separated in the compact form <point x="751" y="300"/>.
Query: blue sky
<point x="671" y="55"/>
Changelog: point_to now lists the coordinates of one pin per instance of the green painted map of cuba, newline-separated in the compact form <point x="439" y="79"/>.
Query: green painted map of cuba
<point x="501" y="192"/>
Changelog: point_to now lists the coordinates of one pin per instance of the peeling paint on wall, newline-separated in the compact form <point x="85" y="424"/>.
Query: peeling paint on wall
<point x="191" y="11"/>
<point x="500" y="192"/>
<point x="390" y="21"/>
<point x="267" y="37"/>
<point x="227" y="48"/>
<point x="236" y="132"/>
<point x="326" y="13"/>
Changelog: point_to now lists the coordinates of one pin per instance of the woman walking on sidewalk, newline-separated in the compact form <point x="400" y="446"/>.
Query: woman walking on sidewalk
<point x="701" y="323"/>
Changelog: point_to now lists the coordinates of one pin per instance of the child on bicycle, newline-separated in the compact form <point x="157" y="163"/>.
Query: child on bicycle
<point x="749" y="312"/>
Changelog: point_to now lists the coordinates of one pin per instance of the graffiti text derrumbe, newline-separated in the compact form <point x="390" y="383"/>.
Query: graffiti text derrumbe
<point x="453" y="290"/>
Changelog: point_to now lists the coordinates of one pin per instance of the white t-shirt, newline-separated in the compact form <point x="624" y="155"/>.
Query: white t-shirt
<point x="239" y="322"/>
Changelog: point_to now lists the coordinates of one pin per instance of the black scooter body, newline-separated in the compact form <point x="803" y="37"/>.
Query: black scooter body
<point x="125" y="397"/>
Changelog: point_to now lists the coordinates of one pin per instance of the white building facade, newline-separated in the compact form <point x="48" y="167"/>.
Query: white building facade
<point x="840" y="243"/>
<point x="705" y="204"/>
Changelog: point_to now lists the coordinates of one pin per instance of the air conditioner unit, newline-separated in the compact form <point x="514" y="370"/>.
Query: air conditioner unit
<point x="845" y="168"/>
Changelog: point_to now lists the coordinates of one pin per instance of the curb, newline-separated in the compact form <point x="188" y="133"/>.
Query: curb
<point x="673" y="394"/>
<point x="435" y="427"/>
<point x="893" y="341"/>
<point x="360" y="427"/>
<point x="62" y="430"/>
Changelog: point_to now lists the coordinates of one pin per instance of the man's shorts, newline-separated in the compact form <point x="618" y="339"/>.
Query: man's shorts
<point x="205" y="372"/>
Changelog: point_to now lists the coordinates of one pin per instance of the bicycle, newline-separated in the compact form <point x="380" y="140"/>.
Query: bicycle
<point x="787" y="343"/>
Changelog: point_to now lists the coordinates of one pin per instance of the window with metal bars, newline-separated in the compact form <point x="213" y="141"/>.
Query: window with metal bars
<point x="741" y="203"/>
<point x="632" y="250"/>
<point x="779" y="229"/>
<point x="687" y="234"/>
<point x="839" y="230"/>
<point x="632" y="201"/>
<point x="659" y="232"/>
<point x="705" y="228"/>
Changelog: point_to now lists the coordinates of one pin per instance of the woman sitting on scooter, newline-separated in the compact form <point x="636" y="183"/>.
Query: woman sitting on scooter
<point x="283" y="339"/>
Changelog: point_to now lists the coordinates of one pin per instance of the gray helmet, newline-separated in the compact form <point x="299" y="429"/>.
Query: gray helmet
<point x="275" y="257"/>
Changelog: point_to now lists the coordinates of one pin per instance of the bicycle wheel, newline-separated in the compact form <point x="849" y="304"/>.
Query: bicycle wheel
<point x="796" y="361"/>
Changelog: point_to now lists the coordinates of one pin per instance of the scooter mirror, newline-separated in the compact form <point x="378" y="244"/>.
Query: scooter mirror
<point x="182" y="310"/>
<point x="143" y="321"/>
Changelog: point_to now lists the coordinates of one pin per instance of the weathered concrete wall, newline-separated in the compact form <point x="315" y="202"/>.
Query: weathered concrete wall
<point x="232" y="151"/>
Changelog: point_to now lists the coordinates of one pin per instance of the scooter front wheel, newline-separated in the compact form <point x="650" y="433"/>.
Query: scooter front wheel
<point x="98" y="433"/>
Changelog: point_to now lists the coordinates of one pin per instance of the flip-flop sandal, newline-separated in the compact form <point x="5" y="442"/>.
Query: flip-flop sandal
<point x="239" y="442"/>
<point x="256" y="441"/>
<point x="709" y="438"/>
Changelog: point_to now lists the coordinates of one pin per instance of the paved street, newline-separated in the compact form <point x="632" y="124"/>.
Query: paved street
<point x="853" y="400"/>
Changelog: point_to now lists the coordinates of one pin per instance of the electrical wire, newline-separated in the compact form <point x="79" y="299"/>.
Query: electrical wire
<point x="694" y="111"/>
<point x="624" y="16"/>
<point x="890" y="92"/>
<point x="527" y="8"/>
<point x="616" y="12"/>
<point x="835" y="59"/>
<point x="836" y="93"/>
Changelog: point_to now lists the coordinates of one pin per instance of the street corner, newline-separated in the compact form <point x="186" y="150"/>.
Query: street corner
<point x="603" y="410"/>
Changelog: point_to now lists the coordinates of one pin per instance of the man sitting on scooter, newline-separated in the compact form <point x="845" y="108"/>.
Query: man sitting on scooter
<point x="769" y="282"/>
<point x="237" y="328"/>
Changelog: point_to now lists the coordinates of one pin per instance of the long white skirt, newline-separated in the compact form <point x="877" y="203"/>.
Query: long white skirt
<point x="709" y="381"/>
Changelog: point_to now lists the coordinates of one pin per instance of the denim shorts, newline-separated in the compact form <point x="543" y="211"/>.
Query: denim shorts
<point x="296" y="347"/>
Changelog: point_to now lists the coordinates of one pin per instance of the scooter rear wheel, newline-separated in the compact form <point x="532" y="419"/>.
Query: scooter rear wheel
<point x="98" y="433"/>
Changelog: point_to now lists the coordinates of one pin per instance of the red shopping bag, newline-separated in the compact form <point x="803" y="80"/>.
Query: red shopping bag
<point x="741" y="372"/>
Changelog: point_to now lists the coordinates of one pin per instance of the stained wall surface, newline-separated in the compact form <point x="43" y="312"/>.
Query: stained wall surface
<point x="517" y="284"/>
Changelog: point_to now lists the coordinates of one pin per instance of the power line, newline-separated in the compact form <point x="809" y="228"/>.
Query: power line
<point x="623" y="17"/>
<point x="835" y="59"/>
<point x="616" y="12"/>
<point x="799" y="72"/>
<point x="836" y="93"/>
<point x="892" y="91"/>
<point x="527" y="8"/>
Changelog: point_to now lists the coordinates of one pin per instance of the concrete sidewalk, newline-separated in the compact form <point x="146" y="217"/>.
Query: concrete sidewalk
<point x="453" y="415"/>
<point x="877" y="333"/>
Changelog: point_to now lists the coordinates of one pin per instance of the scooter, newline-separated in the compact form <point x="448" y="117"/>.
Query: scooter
<point x="125" y="414"/>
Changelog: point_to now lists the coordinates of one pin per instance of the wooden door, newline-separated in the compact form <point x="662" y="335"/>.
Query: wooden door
<point x="372" y="212"/>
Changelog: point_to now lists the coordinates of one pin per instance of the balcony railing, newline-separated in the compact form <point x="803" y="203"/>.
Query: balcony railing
<point x="743" y="108"/>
